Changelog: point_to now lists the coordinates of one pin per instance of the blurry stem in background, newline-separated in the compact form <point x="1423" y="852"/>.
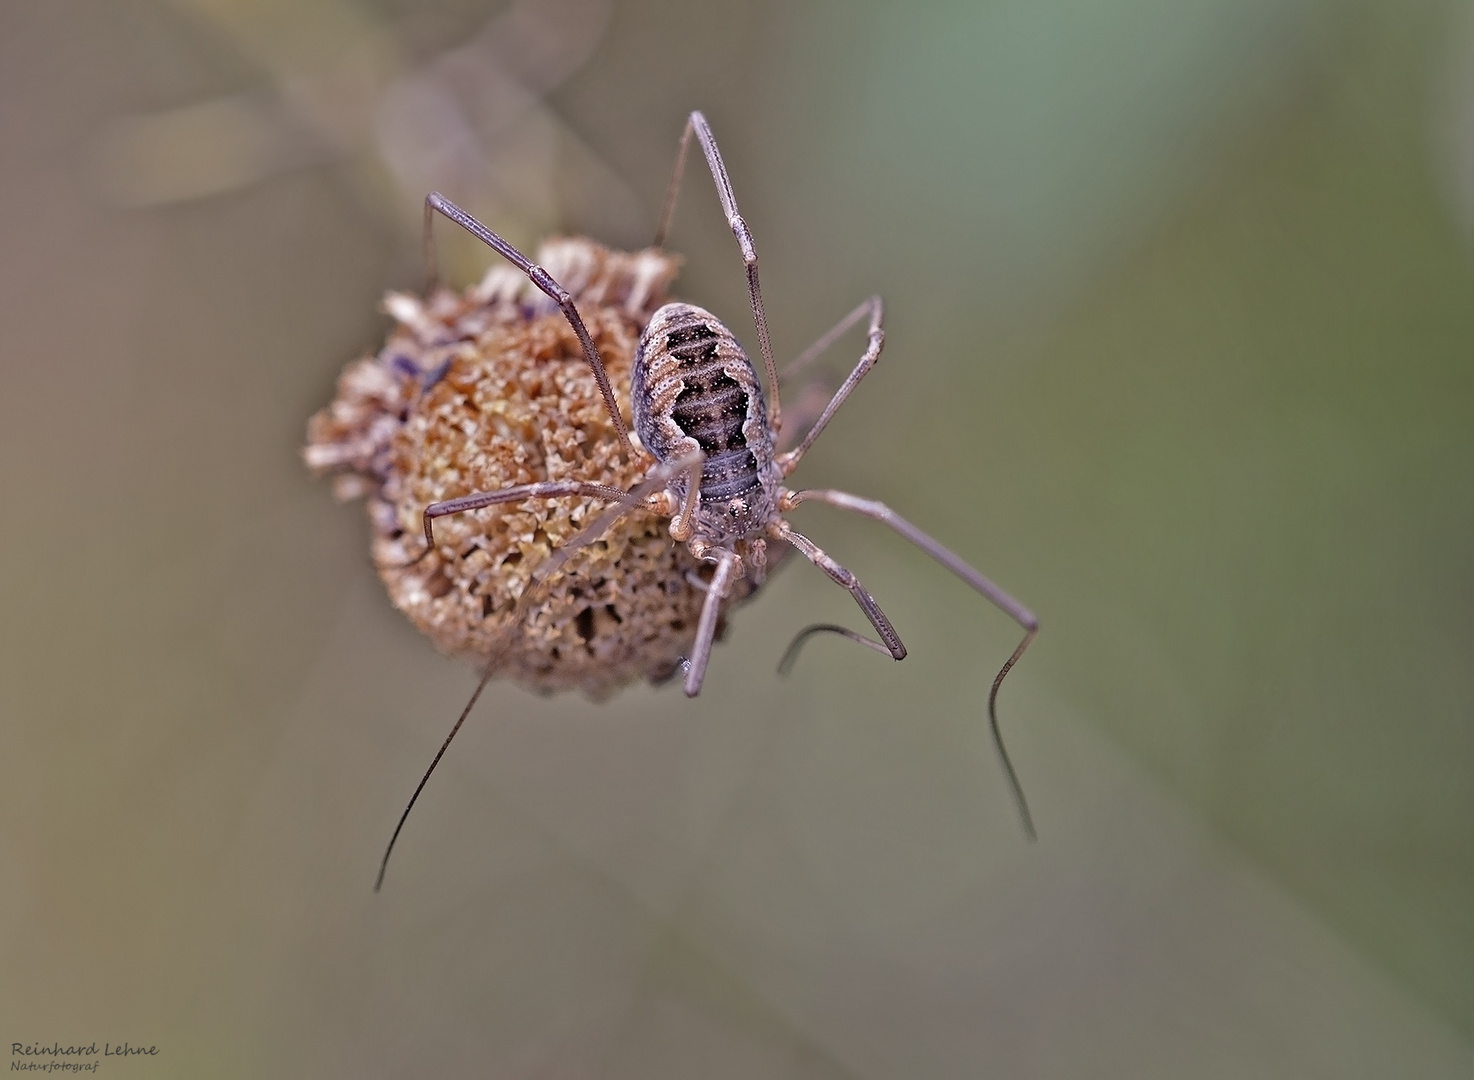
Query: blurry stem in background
<point x="470" y="119"/>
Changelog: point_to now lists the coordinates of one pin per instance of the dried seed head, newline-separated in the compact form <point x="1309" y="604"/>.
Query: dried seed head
<point x="488" y="389"/>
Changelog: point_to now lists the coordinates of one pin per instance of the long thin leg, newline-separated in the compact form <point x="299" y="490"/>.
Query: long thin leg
<point x="728" y="563"/>
<point x="789" y="461"/>
<point x="1023" y="616"/>
<point x="683" y="524"/>
<point x="790" y="654"/>
<point x="436" y="202"/>
<point x="657" y="478"/>
<point x="820" y="347"/>
<point x="781" y="530"/>
<point x="697" y="123"/>
<point x="549" y="489"/>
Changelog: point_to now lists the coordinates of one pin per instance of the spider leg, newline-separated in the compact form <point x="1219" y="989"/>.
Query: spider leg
<point x="876" y="341"/>
<point x="697" y="123"/>
<point x="549" y="489"/>
<point x="728" y="564"/>
<point x="638" y="495"/>
<point x="961" y="568"/>
<point x="790" y="654"/>
<point x="820" y="347"/>
<point x="436" y="202"/>
<point x="781" y="530"/>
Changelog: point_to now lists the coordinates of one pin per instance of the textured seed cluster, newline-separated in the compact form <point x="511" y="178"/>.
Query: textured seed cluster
<point x="487" y="389"/>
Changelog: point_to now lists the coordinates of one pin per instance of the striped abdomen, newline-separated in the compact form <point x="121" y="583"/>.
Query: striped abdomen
<point x="692" y="381"/>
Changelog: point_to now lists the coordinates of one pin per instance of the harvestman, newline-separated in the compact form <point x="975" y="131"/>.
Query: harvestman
<point x="699" y="409"/>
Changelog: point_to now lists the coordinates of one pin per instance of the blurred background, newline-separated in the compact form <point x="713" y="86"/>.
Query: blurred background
<point x="1180" y="351"/>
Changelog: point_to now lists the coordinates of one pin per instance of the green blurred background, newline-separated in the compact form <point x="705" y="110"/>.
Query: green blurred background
<point x="1180" y="350"/>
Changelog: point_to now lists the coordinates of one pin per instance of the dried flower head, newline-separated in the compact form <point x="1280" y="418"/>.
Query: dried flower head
<point x="487" y="389"/>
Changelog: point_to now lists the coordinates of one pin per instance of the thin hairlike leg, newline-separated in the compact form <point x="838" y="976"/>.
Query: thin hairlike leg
<point x="789" y="461"/>
<point x="549" y="489"/>
<point x="790" y="654"/>
<point x="655" y="480"/>
<point x="637" y="496"/>
<point x="1011" y="607"/>
<point x="781" y="530"/>
<point x="697" y="123"/>
<point x="683" y="524"/>
<point x="436" y="202"/>
<point x="820" y="347"/>
<point x="729" y="563"/>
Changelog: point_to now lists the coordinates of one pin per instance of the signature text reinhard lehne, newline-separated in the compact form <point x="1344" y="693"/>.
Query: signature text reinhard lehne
<point x="68" y="1058"/>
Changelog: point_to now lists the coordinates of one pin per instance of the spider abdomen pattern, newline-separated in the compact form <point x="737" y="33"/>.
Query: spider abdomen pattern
<point x="693" y="387"/>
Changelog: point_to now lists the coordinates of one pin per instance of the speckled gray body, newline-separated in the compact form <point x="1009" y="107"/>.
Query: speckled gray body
<point x="693" y="387"/>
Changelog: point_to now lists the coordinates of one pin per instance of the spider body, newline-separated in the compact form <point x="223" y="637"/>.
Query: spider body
<point x="700" y="411"/>
<point x="693" y="390"/>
